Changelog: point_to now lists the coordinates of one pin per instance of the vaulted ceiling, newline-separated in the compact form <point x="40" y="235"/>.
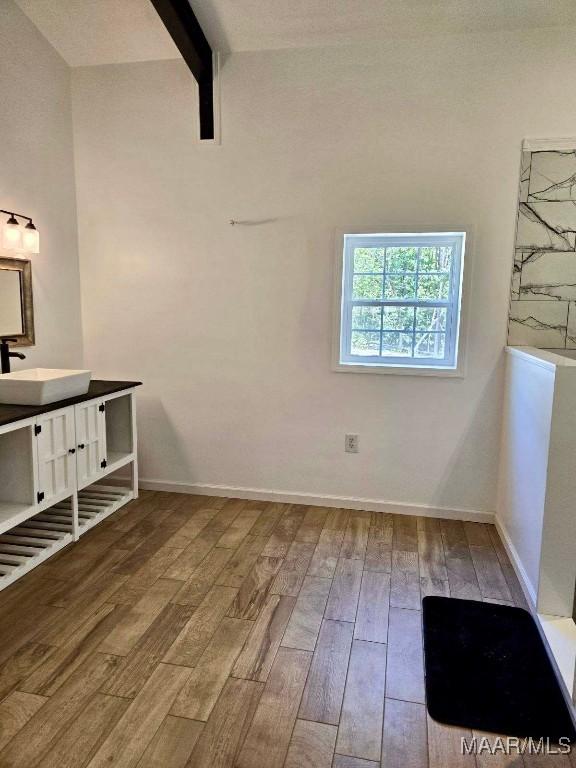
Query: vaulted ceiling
<point x="87" y="32"/>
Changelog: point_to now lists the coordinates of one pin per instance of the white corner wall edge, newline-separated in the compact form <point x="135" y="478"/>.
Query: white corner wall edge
<point x="527" y="588"/>
<point x="291" y="497"/>
<point x="552" y="629"/>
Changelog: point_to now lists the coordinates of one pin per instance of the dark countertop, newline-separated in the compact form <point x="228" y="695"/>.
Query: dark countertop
<point x="97" y="388"/>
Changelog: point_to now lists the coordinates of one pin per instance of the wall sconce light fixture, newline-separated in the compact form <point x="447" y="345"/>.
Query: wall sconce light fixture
<point x="16" y="237"/>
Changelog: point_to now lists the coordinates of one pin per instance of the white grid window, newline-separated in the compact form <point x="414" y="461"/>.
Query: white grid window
<point x="401" y="299"/>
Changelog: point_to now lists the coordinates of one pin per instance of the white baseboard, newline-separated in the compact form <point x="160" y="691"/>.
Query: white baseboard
<point x="347" y="502"/>
<point x="527" y="588"/>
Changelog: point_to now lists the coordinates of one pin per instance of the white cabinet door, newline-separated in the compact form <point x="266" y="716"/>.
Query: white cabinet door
<point x="90" y="441"/>
<point x="56" y="454"/>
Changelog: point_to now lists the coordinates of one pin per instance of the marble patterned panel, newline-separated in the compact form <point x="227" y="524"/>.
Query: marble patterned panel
<point x="525" y="165"/>
<point x="543" y="285"/>
<point x="525" y="255"/>
<point x="538" y="323"/>
<point x="520" y="257"/>
<point x="571" y="330"/>
<point x="552" y="176"/>
<point x="548" y="275"/>
<point x="515" y="284"/>
<point x="547" y="226"/>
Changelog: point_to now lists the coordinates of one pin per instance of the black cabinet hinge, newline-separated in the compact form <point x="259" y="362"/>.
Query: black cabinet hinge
<point x="103" y="463"/>
<point x="102" y="407"/>
<point x="37" y="430"/>
<point x="40" y="496"/>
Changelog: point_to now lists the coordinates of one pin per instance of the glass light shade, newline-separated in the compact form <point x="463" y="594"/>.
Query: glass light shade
<point x="11" y="236"/>
<point x="31" y="240"/>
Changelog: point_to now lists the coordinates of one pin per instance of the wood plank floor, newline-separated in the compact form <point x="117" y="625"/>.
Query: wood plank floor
<point x="219" y="633"/>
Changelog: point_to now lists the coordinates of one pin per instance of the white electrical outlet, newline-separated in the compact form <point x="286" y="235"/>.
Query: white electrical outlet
<point x="351" y="443"/>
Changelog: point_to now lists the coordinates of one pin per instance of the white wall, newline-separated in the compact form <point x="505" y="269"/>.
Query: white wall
<point x="37" y="179"/>
<point x="524" y="461"/>
<point x="230" y="327"/>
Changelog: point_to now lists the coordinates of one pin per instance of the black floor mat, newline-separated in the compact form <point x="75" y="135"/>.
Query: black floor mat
<point x="487" y="668"/>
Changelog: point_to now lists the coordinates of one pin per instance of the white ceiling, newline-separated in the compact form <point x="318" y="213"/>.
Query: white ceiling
<point x="89" y="32"/>
<point x="86" y="32"/>
<point x="261" y="24"/>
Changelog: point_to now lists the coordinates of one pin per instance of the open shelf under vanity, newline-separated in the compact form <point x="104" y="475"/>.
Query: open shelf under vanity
<point x="95" y="503"/>
<point x="27" y="545"/>
<point x="17" y="465"/>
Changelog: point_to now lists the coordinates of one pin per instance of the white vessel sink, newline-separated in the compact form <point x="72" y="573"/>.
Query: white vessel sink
<point x="42" y="386"/>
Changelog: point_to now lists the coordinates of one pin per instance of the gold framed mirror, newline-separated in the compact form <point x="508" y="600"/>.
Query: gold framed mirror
<point x="16" y="303"/>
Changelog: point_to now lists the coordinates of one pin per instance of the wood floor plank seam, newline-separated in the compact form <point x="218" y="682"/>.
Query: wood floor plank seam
<point x="348" y="740"/>
<point x="322" y="754"/>
<point x="230" y="677"/>
<point x="346" y="585"/>
<point x="225" y="733"/>
<point x="267" y="744"/>
<point x="308" y="613"/>
<point x="318" y="635"/>
<point x="328" y="709"/>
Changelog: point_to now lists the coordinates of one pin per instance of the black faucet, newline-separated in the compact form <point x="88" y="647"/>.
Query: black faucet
<point x="6" y="354"/>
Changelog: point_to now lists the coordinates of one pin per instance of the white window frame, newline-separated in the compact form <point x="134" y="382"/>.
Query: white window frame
<point x="342" y="361"/>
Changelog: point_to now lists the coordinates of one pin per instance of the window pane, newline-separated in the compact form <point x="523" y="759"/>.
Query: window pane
<point x="429" y="345"/>
<point x="365" y="343"/>
<point x="399" y="287"/>
<point x="430" y="319"/>
<point x="369" y="259"/>
<point x="433" y="286"/>
<point x="401" y="299"/>
<point x="366" y="317"/>
<point x="367" y="287"/>
<point x="401" y="259"/>
<point x="396" y="345"/>
<point x="437" y="259"/>
<point x="446" y="258"/>
<point x="398" y="318"/>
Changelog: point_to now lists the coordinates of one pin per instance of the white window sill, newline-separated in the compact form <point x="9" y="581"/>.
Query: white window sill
<point x="398" y="370"/>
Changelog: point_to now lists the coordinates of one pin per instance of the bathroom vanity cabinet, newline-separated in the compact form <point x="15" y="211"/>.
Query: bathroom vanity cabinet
<point x="54" y="461"/>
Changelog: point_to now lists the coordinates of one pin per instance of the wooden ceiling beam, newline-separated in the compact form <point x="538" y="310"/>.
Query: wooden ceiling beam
<point x="184" y="28"/>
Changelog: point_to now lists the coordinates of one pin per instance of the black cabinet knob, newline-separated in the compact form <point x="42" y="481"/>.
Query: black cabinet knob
<point x="72" y="450"/>
<point x="81" y="446"/>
